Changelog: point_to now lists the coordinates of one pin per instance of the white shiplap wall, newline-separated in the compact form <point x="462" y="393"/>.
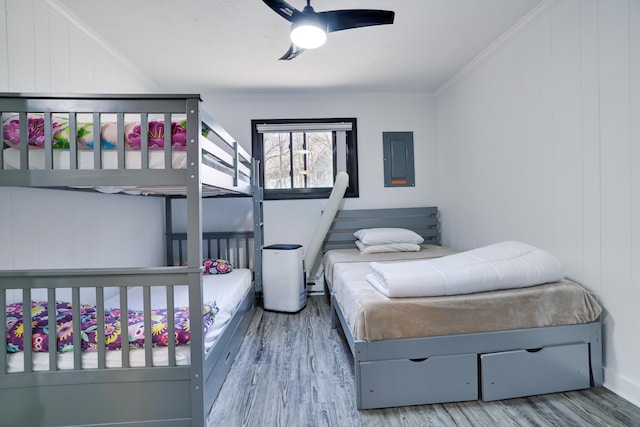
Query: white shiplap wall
<point x="72" y="229"/>
<point x="539" y="140"/>
<point x="43" y="50"/>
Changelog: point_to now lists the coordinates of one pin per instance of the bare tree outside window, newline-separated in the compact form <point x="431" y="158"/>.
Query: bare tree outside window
<point x="277" y="164"/>
<point x="300" y="162"/>
<point x="313" y="159"/>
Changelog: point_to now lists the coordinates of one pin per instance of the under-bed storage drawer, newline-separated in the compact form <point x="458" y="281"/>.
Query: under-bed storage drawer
<point x="525" y="373"/>
<point x="415" y="382"/>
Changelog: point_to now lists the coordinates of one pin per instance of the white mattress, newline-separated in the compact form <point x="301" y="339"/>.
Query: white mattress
<point x="227" y="290"/>
<point x="372" y="316"/>
<point x="133" y="159"/>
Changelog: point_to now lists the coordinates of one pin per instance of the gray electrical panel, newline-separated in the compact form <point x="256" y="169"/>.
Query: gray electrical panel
<point x="398" y="159"/>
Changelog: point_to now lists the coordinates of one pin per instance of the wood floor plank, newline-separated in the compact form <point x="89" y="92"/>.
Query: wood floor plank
<point x="296" y="370"/>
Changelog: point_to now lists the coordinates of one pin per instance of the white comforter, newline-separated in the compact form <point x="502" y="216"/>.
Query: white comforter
<point x="502" y="265"/>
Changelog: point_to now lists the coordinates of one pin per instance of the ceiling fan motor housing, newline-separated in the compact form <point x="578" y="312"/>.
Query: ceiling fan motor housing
<point x="309" y="28"/>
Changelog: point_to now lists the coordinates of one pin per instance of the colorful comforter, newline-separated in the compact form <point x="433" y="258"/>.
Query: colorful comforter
<point x="88" y="316"/>
<point x="85" y="137"/>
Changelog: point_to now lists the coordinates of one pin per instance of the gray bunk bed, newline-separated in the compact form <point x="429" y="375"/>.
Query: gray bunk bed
<point x="413" y="351"/>
<point x="131" y="385"/>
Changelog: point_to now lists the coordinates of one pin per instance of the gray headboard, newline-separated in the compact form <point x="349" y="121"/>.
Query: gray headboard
<point x="423" y="221"/>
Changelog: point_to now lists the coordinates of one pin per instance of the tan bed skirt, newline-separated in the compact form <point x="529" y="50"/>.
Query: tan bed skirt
<point x="372" y="316"/>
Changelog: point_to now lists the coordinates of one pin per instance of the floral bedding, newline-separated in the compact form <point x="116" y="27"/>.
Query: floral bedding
<point x="88" y="316"/>
<point x="85" y="137"/>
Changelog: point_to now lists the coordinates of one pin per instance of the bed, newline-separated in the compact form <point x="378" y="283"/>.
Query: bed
<point x="89" y="377"/>
<point x="487" y="345"/>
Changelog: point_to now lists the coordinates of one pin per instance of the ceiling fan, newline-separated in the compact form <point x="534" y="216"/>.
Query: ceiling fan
<point x="309" y="28"/>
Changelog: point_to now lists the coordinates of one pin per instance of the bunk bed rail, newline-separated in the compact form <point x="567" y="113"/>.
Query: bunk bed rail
<point x="236" y="247"/>
<point x="48" y="142"/>
<point x="100" y="282"/>
<point x="40" y="385"/>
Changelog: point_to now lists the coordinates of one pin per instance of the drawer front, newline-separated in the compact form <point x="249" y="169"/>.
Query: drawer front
<point x="523" y="373"/>
<point x="408" y="382"/>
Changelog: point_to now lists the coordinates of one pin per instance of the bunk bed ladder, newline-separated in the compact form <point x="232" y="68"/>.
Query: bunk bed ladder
<point x="258" y="226"/>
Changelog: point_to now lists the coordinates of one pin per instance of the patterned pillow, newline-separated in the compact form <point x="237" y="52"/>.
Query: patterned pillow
<point x="217" y="266"/>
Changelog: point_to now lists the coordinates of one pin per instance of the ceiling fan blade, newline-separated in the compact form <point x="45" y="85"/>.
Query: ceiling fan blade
<point x="283" y="9"/>
<point x="355" y="18"/>
<point x="291" y="53"/>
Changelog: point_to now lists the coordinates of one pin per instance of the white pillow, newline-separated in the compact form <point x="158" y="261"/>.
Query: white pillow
<point x="381" y="236"/>
<point x="388" y="247"/>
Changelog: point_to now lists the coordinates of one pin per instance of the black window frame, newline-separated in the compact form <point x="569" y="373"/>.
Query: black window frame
<point x="310" y="193"/>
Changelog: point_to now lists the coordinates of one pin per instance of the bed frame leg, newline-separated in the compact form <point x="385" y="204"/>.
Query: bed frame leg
<point x="335" y="321"/>
<point x="595" y="354"/>
<point x="358" y="386"/>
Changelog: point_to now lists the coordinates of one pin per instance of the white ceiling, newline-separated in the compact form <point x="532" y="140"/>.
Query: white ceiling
<point x="233" y="46"/>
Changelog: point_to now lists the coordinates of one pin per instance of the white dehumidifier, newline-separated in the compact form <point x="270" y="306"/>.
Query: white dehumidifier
<point x="283" y="278"/>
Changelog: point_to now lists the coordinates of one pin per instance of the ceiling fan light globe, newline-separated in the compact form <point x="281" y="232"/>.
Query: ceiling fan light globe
<point x="308" y="36"/>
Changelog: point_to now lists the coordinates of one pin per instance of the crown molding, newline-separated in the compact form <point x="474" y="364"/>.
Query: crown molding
<point x="534" y="14"/>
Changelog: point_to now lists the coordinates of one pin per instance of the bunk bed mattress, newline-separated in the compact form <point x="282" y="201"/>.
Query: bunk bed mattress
<point x="372" y="316"/>
<point x="227" y="290"/>
<point x="61" y="159"/>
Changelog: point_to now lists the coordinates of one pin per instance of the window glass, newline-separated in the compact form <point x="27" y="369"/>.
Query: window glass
<point x="298" y="160"/>
<point x="277" y="160"/>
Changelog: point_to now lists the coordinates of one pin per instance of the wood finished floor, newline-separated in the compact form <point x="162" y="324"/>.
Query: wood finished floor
<point x="296" y="370"/>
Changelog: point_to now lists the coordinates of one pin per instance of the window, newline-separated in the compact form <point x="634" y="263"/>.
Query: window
<point x="299" y="158"/>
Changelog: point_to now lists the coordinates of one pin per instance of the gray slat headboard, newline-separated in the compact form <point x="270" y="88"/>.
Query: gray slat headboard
<point x="423" y="220"/>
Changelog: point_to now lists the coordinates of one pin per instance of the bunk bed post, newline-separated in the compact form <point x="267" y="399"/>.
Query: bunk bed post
<point x="235" y="163"/>
<point x="194" y="256"/>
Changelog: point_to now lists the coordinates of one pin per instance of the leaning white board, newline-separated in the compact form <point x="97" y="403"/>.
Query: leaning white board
<point x="312" y="253"/>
